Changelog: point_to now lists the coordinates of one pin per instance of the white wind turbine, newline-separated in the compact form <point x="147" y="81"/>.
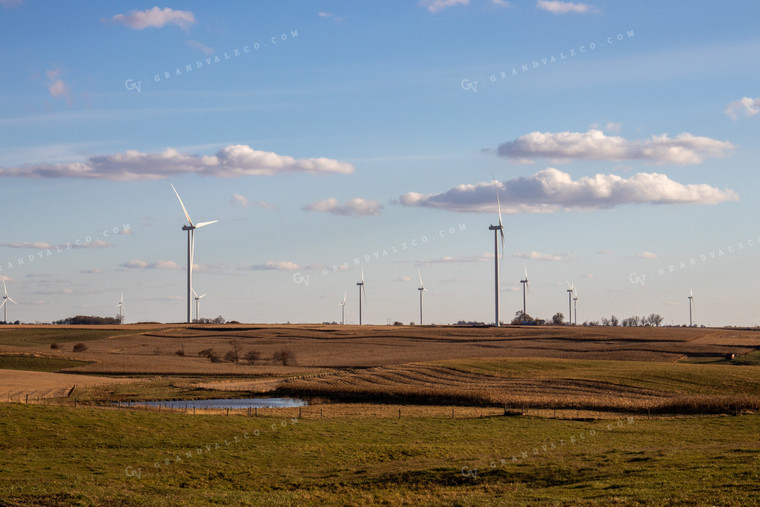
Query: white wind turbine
<point x="570" y="291"/>
<point x="197" y="305"/>
<point x="691" y="301"/>
<point x="342" y="305"/>
<point x="361" y="289"/>
<point x="190" y="250"/>
<point x="500" y="229"/>
<point x="525" y="284"/>
<point x="421" y="289"/>
<point x="575" y="304"/>
<point x="121" y="309"/>
<point x="4" y="305"/>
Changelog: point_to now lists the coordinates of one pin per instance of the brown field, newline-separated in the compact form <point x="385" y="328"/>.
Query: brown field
<point x="409" y="364"/>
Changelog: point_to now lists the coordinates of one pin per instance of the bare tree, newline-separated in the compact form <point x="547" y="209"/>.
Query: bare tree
<point x="558" y="319"/>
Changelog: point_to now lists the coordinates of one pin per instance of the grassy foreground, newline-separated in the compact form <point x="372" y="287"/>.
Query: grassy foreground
<point x="54" y="455"/>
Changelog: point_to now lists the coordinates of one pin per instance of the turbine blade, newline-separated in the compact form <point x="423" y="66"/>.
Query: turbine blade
<point x="344" y="297"/>
<point x="420" y="275"/>
<point x="5" y="289"/>
<point x="525" y="267"/>
<point x="194" y="293"/>
<point x="362" y="275"/>
<point x="182" y="204"/>
<point x="12" y="301"/>
<point x="3" y="304"/>
<point x="204" y="224"/>
<point x="201" y="297"/>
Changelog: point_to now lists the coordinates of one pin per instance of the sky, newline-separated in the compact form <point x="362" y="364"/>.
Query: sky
<point x="335" y="138"/>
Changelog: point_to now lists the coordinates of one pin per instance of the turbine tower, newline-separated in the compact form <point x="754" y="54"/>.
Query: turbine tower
<point x="421" y="289"/>
<point x="121" y="309"/>
<point x="197" y="305"/>
<point x="525" y="283"/>
<point x="4" y="305"/>
<point x="691" y="301"/>
<point x="342" y="305"/>
<point x="361" y="289"/>
<point x="575" y="305"/>
<point x="570" y="291"/>
<point x="190" y="228"/>
<point x="497" y="229"/>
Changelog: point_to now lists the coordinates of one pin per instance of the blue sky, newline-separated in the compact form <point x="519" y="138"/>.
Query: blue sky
<point x="330" y="137"/>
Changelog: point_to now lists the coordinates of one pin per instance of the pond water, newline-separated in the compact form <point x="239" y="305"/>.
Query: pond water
<point x="227" y="403"/>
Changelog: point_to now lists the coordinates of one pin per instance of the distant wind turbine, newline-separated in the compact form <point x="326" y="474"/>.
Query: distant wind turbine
<point x="500" y="229"/>
<point x="4" y="306"/>
<point x="421" y="289"/>
<point x="691" y="301"/>
<point x="121" y="309"/>
<point x="190" y="250"/>
<point x="361" y="290"/>
<point x="570" y="291"/>
<point x="525" y="284"/>
<point x="342" y="305"/>
<point x="575" y="305"/>
<point x="197" y="305"/>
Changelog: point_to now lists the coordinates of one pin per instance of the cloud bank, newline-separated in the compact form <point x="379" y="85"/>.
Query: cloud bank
<point x="229" y="162"/>
<point x="155" y="18"/>
<point x="552" y="190"/>
<point x="354" y="207"/>
<point x="684" y="149"/>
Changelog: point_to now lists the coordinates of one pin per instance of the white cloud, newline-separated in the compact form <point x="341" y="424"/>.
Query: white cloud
<point x="539" y="256"/>
<point x="437" y="5"/>
<point x="646" y="255"/>
<point x="330" y="15"/>
<point x="486" y="257"/>
<point x="552" y="190"/>
<point x="684" y="149"/>
<point x="557" y="7"/>
<point x="57" y="87"/>
<point x="98" y="243"/>
<point x="198" y="45"/>
<point x="140" y="264"/>
<point x="91" y="271"/>
<point x="610" y="127"/>
<point x="500" y="3"/>
<point x="746" y="107"/>
<point x="155" y="18"/>
<point x="264" y="205"/>
<point x="273" y="266"/>
<point x="229" y="162"/>
<point x="356" y="207"/>
<point x="37" y="245"/>
<point x="239" y="200"/>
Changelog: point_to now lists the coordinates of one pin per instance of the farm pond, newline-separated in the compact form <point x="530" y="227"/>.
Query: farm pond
<point x="231" y="403"/>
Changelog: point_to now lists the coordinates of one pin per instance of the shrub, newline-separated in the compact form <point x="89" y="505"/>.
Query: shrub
<point x="252" y="356"/>
<point x="80" y="347"/>
<point x="214" y="358"/>
<point x="205" y="352"/>
<point x="54" y="346"/>
<point x="284" y="356"/>
<point x="231" y="356"/>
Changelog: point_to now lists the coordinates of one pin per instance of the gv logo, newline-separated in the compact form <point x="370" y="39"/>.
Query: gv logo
<point x="131" y="85"/>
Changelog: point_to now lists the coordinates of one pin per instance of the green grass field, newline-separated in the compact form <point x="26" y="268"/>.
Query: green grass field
<point x="54" y="455"/>
<point x="29" y="337"/>
<point x="29" y="363"/>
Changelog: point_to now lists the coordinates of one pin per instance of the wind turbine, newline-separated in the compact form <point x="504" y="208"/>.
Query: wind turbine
<point x="4" y="305"/>
<point x="190" y="249"/>
<point x="121" y="309"/>
<point x="500" y="229"/>
<point x="691" y="301"/>
<point x="421" y="289"/>
<point x="342" y="305"/>
<point x="361" y="289"/>
<point x="575" y="305"/>
<point x="197" y="305"/>
<point x="525" y="283"/>
<point x="570" y="291"/>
